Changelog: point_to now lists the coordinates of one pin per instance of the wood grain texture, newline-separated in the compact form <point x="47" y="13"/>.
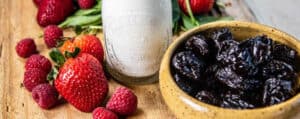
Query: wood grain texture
<point x="17" y="21"/>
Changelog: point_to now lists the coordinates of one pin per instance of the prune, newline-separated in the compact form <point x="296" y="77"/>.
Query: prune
<point x="278" y="69"/>
<point x="278" y="90"/>
<point x="231" y="100"/>
<point x="207" y="97"/>
<point x="198" y="45"/>
<point x="228" y="77"/>
<point x="239" y="59"/>
<point x="260" y="48"/>
<point x="186" y="85"/>
<point x="284" y="53"/>
<point x="188" y="65"/>
<point x="222" y="35"/>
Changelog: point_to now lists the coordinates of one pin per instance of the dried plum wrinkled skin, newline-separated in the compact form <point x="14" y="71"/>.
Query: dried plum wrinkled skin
<point x="278" y="69"/>
<point x="216" y="69"/>
<point x="260" y="48"/>
<point x="277" y="90"/>
<point x="284" y="53"/>
<point x="207" y="97"/>
<point x="234" y="101"/>
<point x="199" y="45"/>
<point x="185" y="84"/>
<point x="188" y="65"/>
<point x="228" y="77"/>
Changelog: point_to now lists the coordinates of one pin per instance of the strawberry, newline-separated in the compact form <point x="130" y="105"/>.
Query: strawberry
<point x="82" y="83"/>
<point x="87" y="43"/>
<point x="54" y="11"/>
<point x="86" y="4"/>
<point x="102" y="113"/>
<point x="197" y="6"/>
<point x="122" y="102"/>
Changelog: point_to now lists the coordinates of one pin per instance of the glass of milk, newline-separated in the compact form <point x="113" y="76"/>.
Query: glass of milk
<point x="137" y="33"/>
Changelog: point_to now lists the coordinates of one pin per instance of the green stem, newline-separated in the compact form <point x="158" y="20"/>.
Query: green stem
<point x="187" y="3"/>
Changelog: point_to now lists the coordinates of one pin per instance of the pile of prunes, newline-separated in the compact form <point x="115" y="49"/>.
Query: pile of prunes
<point x="216" y="69"/>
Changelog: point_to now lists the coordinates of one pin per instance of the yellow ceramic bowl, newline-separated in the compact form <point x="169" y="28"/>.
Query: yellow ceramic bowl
<point x="187" y="107"/>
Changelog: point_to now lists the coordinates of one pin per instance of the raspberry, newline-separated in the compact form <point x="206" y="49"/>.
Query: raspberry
<point x="45" y="95"/>
<point x="26" y="47"/>
<point x="34" y="77"/>
<point x="37" y="2"/>
<point x="38" y="61"/>
<point x="123" y="102"/>
<point x="86" y="4"/>
<point x="102" y="113"/>
<point x="52" y="35"/>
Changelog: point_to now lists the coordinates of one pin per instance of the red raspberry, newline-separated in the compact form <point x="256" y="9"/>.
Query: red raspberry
<point x="86" y="4"/>
<point x="123" y="102"/>
<point x="34" y="77"/>
<point x="52" y="34"/>
<point x="37" y="2"/>
<point x="26" y="47"/>
<point x="102" y="113"/>
<point x="45" y="95"/>
<point x="38" y="61"/>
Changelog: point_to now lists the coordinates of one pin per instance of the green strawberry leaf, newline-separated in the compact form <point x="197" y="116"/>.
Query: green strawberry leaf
<point x="175" y="16"/>
<point x="72" y="54"/>
<point x="57" y="56"/>
<point x="187" y="22"/>
<point x="52" y="74"/>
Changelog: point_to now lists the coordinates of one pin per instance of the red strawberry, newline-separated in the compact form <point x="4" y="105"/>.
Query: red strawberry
<point x="122" y="102"/>
<point x="45" y="95"/>
<point x="38" y="61"/>
<point x="52" y="34"/>
<point x="87" y="43"/>
<point x="37" y="2"/>
<point x="102" y="113"/>
<point x="86" y="4"/>
<point x="197" y="6"/>
<point x="82" y="83"/>
<point x="54" y="11"/>
<point x="26" y="47"/>
<point x="34" y="77"/>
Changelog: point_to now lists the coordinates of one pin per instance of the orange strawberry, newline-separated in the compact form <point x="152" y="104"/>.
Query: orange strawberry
<point x="87" y="44"/>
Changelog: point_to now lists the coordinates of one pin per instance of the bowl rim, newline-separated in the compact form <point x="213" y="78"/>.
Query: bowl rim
<point x="165" y="65"/>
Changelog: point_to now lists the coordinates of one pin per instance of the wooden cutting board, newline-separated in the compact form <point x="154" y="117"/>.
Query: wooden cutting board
<point x="17" y="21"/>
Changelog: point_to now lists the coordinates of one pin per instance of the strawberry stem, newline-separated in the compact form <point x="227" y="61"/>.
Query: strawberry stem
<point x="187" y="3"/>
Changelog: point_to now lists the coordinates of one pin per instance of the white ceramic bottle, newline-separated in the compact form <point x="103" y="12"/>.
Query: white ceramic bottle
<point x="137" y="33"/>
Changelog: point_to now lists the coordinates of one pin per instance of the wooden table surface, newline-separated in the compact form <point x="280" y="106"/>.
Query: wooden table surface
<point x="17" y="21"/>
